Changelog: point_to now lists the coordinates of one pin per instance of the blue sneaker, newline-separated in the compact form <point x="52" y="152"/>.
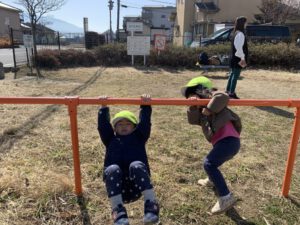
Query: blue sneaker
<point x="119" y="215"/>
<point x="151" y="213"/>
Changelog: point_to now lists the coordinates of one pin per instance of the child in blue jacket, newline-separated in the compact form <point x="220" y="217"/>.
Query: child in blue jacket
<point x="126" y="168"/>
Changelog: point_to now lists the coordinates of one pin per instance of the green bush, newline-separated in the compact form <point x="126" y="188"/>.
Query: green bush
<point x="174" y="56"/>
<point x="65" y="58"/>
<point x="112" y="54"/>
<point x="274" y="55"/>
<point x="48" y="59"/>
<point x="286" y="56"/>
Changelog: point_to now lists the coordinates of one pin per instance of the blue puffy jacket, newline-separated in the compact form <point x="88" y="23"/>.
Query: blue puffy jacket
<point x="125" y="149"/>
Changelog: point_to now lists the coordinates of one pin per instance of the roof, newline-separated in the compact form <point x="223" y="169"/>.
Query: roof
<point x="5" y="6"/>
<point x="207" y="6"/>
<point x="40" y="27"/>
<point x="158" y="7"/>
<point x="25" y="26"/>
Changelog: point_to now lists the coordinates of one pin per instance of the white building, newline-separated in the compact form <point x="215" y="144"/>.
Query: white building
<point x="158" y="19"/>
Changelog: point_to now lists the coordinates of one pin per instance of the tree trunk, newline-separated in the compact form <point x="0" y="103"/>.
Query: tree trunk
<point x="33" y="27"/>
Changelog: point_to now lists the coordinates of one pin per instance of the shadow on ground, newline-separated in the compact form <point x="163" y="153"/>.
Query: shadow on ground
<point x="277" y="111"/>
<point x="235" y="216"/>
<point x="295" y="201"/>
<point x="12" y="135"/>
<point x="84" y="212"/>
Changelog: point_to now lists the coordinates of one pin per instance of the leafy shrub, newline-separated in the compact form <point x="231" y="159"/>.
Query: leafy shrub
<point x="87" y="59"/>
<point x="274" y="55"/>
<point x="112" y="54"/>
<point x="174" y="56"/>
<point x="48" y="59"/>
<point x="65" y="58"/>
<point x="266" y="55"/>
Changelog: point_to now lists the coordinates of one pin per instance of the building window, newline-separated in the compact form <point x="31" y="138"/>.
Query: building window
<point x="163" y="16"/>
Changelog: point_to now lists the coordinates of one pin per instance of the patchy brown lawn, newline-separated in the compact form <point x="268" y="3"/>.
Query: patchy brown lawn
<point x="36" y="167"/>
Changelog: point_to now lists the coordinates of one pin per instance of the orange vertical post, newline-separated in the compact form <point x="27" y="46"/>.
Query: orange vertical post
<point x="292" y="154"/>
<point x="72" y="103"/>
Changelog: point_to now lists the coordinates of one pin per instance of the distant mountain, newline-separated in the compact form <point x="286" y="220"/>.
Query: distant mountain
<point x="61" y="26"/>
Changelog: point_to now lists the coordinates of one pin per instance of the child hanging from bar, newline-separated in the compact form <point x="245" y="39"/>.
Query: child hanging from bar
<point x="222" y="128"/>
<point x="126" y="169"/>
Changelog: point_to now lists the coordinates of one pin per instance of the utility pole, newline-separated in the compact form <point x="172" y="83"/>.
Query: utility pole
<point x="110" y="6"/>
<point x="118" y="18"/>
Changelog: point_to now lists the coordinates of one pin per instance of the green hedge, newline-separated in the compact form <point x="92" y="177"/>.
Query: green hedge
<point x="112" y="54"/>
<point x="54" y="59"/>
<point x="268" y="55"/>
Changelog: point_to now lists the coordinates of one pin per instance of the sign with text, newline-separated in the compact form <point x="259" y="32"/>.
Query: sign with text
<point x="160" y="42"/>
<point x="28" y="41"/>
<point x="134" y="26"/>
<point x="138" y="45"/>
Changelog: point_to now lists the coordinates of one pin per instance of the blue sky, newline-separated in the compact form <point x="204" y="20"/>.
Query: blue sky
<point x="97" y="11"/>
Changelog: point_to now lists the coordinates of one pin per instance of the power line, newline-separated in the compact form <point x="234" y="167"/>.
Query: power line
<point x="154" y="1"/>
<point x="156" y="10"/>
<point x="169" y="3"/>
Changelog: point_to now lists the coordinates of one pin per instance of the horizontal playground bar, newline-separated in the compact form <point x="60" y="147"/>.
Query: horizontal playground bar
<point x="138" y="101"/>
<point x="73" y="101"/>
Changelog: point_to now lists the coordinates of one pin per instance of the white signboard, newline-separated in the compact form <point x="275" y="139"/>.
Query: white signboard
<point x="138" y="45"/>
<point x="160" y="42"/>
<point x="134" y="26"/>
<point x="28" y="41"/>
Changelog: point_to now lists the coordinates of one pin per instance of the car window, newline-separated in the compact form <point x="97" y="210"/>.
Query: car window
<point x="267" y="31"/>
<point x="224" y="36"/>
<point x="258" y="31"/>
<point x="219" y="33"/>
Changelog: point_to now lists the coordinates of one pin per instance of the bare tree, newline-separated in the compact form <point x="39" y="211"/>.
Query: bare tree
<point x="36" y="9"/>
<point x="278" y="11"/>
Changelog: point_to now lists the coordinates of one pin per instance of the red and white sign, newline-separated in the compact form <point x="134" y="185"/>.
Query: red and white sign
<point x="160" y="42"/>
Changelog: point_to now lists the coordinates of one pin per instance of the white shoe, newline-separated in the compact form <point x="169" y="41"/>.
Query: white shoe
<point x="223" y="204"/>
<point x="205" y="182"/>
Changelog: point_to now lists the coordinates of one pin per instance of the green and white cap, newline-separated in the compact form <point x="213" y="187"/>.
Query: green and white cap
<point x="204" y="81"/>
<point x="124" y="114"/>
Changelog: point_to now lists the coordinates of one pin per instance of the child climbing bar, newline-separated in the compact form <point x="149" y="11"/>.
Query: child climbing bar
<point x="126" y="168"/>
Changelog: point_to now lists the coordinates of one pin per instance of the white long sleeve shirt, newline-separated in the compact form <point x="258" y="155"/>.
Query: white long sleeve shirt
<point x="239" y="41"/>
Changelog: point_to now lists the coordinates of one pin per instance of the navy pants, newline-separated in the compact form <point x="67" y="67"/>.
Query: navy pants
<point x="129" y="186"/>
<point x="232" y="80"/>
<point x="222" y="151"/>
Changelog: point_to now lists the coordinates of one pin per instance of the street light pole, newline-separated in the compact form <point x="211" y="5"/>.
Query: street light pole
<point x="110" y="6"/>
<point x="118" y="18"/>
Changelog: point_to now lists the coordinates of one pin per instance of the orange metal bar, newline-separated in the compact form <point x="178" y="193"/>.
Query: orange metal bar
<point x="32" y="100"/>
<point x="182" y="101"/>
<point x="153" y="101"/>
<point x="292" y="154"/>
<point x="72" y="103"/>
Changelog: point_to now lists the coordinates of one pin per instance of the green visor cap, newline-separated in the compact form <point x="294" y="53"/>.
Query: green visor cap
<point x="204" y="81"/>
<point x="125" y="114"/>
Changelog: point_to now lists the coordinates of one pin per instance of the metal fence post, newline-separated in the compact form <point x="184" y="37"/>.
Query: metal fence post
<point x="14" y="52"/>
<point x="58" y="40"/>
<point x="1" y="71"/>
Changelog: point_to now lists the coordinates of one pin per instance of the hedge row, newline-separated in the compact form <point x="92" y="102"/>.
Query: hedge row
<point x="265" y="55"/>
<point x="52" y="59"/>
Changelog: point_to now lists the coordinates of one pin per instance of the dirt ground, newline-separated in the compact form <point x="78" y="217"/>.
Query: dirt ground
<point x="36" y="165"/>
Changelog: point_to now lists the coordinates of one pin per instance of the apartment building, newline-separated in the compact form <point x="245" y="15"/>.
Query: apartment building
<point x="155" y="20"/>
<point x="195" y="18"/>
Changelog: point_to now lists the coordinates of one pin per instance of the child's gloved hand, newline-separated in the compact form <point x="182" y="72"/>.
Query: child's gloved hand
<point x="146" y="97"/>
<point x="206" y="112"/>
<point x="103" y="97"/>
<point x="195" y="98"/>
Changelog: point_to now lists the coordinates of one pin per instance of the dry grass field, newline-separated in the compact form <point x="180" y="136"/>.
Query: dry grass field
<point x="36" y="165"/>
